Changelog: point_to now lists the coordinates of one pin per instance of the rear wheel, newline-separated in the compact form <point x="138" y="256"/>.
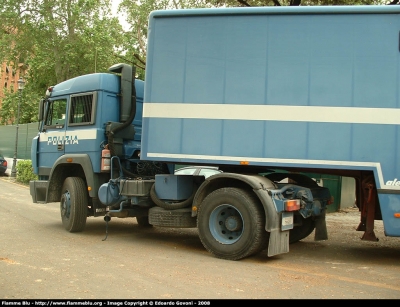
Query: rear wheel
<point x="73" y="204"/>
<point x="231" y="224"/>
<point x="301" y="231"/>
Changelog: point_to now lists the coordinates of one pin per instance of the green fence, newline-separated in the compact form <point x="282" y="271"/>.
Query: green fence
<point x="26" y="132"/>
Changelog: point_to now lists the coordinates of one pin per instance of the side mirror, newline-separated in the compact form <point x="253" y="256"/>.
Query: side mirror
<point x="41" y="109"/>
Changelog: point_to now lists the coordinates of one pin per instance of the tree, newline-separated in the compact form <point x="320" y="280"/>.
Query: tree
<point x="28" y="111"/>
<point x="58" y="39"/>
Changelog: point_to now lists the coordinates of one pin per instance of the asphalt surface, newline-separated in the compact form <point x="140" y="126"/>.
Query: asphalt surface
<point x="40" y="260"/>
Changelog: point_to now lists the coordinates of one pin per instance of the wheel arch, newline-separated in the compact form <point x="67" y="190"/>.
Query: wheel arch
<point x="74" y="165"/>
<point x="257" y="184"/>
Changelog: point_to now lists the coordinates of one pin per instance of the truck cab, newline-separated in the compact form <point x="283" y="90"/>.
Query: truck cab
<point x="76" y="118"/>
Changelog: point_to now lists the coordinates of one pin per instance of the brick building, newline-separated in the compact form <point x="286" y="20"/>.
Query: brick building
<point x="9" y="75"/>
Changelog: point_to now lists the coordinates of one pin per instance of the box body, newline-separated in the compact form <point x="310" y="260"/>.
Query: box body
<point x="291" y="87"/>
<point x="311" y="88"/>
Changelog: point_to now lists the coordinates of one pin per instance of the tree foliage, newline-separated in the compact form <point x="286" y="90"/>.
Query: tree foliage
<point x="28" y="104"/>
<point x="58" y="40"/>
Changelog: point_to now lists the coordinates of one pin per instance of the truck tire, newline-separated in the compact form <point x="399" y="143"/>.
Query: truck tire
<point x="171" y="205"/>
<point x="179" y="218"/>
<point x="302" y="231"/>
<point x="143" y="221"/>
<point x="73" y="204"/>
<point x="231" y="224"/>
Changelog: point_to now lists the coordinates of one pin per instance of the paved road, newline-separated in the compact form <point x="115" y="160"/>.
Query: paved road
<point x="39" y="259"/>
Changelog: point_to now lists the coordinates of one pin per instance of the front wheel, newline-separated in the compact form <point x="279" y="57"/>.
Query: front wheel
<point x="231" y="224"/>
<point x="73" y="204"/>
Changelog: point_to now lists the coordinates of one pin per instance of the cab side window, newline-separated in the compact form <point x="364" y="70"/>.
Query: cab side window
<point x="82" y="109"/>
<point x="56" y="113"/>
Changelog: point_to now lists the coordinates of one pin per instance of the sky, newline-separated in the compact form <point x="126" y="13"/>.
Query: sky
<point x="120" y="16"/>
<point x="114" y="4"/>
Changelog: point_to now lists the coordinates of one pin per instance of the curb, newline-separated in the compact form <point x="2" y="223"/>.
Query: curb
<point x="13" y="181"/>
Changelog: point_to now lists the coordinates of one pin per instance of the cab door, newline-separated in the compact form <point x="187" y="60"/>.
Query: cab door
<point x="52" y="135"/>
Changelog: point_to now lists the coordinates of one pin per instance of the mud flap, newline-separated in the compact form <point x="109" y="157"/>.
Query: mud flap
<point x="321" y="232"/>
<point x="278" y="242"/>
<point x="38" y="190"/>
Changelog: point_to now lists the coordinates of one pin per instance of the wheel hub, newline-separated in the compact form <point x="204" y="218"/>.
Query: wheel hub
<point x="233" y="223"/>
<point x="66" y="204"/>
<point x="226" y="224"/>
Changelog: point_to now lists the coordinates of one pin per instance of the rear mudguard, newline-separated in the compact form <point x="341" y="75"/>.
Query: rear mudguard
<point x="279" y="240"/>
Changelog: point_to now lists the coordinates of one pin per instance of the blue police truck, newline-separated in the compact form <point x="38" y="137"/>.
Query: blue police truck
<point x="265" y="94"/>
